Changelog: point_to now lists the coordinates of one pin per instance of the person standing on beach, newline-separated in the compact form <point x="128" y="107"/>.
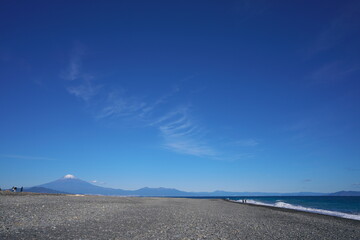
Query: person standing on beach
<point x="21" y="189"/>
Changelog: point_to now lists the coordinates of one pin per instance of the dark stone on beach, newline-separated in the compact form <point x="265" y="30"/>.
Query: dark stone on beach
<point x="27" y="216"/>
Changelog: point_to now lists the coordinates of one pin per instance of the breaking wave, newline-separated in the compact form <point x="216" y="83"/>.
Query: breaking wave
<point x="281" y="204"/>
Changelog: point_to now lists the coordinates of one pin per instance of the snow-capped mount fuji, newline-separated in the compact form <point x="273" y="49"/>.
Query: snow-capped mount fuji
<point x="71" y="184"/>
<point x="69" y="176"/>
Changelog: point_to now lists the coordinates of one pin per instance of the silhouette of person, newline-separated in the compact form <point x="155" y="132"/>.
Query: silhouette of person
<point x="21" y="189"/>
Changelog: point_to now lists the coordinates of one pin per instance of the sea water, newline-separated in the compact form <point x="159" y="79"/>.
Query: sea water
<point x="345" y="207"/>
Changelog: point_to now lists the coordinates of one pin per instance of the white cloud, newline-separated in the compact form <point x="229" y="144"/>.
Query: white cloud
<point x="179" y="131"/>
<point x="117" y="104"/>
<point x="190" y="147"/>
<point x="181" y="135"/>
<point x="149" y="108"/>
<point x="73" y="71"/>
<point x="86" y="90"/>
<point x="83" y="85"/>
<point x="98" y="182"/>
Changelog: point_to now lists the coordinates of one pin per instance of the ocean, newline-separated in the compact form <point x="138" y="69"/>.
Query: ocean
<point x="345" y="207"/>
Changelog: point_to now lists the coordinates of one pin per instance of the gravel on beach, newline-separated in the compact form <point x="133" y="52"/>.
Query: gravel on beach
<point x="42" y="216"/>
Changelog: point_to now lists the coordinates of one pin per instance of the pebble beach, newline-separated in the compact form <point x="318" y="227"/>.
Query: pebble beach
<point x="47" y="216"/>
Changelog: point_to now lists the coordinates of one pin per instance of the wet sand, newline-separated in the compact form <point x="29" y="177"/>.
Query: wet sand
<point x="46" y="216"/>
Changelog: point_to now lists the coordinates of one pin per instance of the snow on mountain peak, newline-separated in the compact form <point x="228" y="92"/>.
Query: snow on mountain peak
<point x="69" y="176"/>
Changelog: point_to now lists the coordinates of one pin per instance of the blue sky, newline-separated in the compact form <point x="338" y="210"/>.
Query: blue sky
<point x="193" y="95"/>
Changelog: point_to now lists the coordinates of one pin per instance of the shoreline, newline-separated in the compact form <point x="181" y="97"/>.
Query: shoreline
<point x="331" y="214"/>
<point x="293" y="210"/>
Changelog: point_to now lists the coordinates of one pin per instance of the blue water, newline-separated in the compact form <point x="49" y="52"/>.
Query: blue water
<point x="346" y="207"/>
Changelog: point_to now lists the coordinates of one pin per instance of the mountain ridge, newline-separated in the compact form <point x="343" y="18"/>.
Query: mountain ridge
<point x="73" y="185"/>
<point x="345" y="193"/>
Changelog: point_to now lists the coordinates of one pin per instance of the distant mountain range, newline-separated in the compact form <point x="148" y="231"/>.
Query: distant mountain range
<point x="71" y="184"/>
<point x="345" y="193"/>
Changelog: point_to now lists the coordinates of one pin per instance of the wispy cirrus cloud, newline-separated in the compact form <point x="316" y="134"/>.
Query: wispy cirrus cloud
<point x="85" y="90"/>
<point x="73" y="70"/>
<point x="150" y="108"/>
<point x="22" y="157"/>
<point x="176" y="126"/>
<point x="103" y="101"/>
<point x="82" y="85"/>
<point x="179" y="132"/>
<point x="117" y="104"/>
<point x="190" y="147"/>
<point x="182" y="135"/>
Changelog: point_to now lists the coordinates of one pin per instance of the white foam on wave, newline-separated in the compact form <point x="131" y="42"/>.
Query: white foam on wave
<point x="280" y="204"/>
